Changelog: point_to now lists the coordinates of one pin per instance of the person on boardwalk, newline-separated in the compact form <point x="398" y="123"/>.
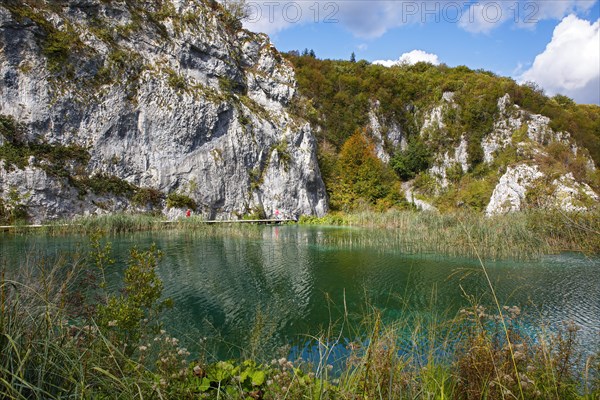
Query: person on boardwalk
<point x="188" y="213"/>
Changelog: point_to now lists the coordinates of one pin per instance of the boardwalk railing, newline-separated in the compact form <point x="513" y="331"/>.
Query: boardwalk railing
<point x="242" y="221"/>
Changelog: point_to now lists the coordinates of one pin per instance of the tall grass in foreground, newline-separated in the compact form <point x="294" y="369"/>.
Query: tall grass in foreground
<point x="57" y="341"/>
<point x="50" y="344"/>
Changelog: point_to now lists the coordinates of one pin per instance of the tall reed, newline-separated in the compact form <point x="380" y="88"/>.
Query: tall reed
<point x="516" y="235"/>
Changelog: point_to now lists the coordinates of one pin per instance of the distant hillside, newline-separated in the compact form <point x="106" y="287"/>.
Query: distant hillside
<point x="455" y="138"/>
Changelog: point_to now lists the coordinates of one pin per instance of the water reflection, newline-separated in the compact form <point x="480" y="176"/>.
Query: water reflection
<point x="281" y="283"/>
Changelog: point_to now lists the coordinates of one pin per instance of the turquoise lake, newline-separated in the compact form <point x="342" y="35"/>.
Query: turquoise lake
<point x="285" y="283"/>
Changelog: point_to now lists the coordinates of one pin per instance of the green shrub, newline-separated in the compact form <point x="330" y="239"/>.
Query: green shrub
<point x="255" y="213"/>
<point x="145" y="197"/>
<point x="283" y="153"/>
<point x="13" y="210"/>
<point x="11" y="130"/>
<point x="426" y="185"/>
<point x="178" y="200"/>
<point x="454" y="173"/>
<point x="103" y="184"/>
<point x="123" y="317"/>
<point x="55" y="159"/>
<point x="416" y="158"/>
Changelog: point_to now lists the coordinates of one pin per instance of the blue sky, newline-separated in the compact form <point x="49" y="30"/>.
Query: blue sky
<point x="555" y="43"/>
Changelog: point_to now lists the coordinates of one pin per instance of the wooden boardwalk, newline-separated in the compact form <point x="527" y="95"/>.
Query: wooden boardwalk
<point x="250" y="221"/>
<point x="231" y="221"/>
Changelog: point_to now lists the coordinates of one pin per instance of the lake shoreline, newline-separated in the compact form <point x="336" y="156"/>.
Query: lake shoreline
<point x="519" y="235"/>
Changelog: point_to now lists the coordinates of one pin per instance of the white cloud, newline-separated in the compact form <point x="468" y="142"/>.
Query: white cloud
<point x="485" y="15"/>
<point x="410" y="58"/>
<point x="570" y="64"/>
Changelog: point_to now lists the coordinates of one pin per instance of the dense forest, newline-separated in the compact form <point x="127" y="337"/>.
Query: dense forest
<point x="337" y="96"/>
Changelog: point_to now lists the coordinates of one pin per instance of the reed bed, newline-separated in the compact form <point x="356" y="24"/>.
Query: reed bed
<point x="513" y="236"/>
<point x="517" y="235"/>
<point x="121" y="222"/>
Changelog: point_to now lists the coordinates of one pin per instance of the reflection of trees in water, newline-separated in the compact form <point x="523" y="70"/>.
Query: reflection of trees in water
<point x="229" y="283"/>
<point x="238" y="283"/>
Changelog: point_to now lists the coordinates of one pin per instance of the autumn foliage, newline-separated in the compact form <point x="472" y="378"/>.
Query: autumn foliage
<point x="360" y="177"/>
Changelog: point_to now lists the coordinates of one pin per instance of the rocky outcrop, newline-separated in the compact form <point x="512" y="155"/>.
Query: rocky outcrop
<point x="418" y="203"/>
<point x="509" y="194"/>
<point x="518" y="148"/>
<point x="521" y="162"/>
<point x="387" y="136"/>
<point x="514" y="125"/>
<point x="444" y="162"/>
<point x="177" y="99"/>
<point x="572" y="196"/>
<point x="526" y="186"/>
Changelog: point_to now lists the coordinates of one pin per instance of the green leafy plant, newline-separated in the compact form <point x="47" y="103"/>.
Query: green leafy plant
<point x="124" y="316"/>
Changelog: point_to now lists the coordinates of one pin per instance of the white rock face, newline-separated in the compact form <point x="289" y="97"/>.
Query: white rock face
<point x="207" y="116"/>
<point x="418" y="203"/>
<point x="434" y="120"/>
<point x="511" y="119"/>
<point x="565" y="193"/>
<point x="570" y="195"/>
<point x="511" y="189"/>
<point x="508" y="122"/>
<point x="392" y="134"/>
<point x="443" y="163"/>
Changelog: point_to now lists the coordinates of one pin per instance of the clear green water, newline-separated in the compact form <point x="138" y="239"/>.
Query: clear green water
<point x="289" y="281"/>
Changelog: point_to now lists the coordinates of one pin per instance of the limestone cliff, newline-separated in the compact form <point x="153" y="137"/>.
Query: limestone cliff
<point x="526" y="164"/>
<point x="133" y="105"/>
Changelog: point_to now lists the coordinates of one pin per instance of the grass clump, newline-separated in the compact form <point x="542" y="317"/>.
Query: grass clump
<point x="51" y="344"/>
<point x="113" y="223"/>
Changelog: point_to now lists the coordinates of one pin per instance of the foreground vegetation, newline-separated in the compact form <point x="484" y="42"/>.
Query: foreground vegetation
<point x="63" y="335"/>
